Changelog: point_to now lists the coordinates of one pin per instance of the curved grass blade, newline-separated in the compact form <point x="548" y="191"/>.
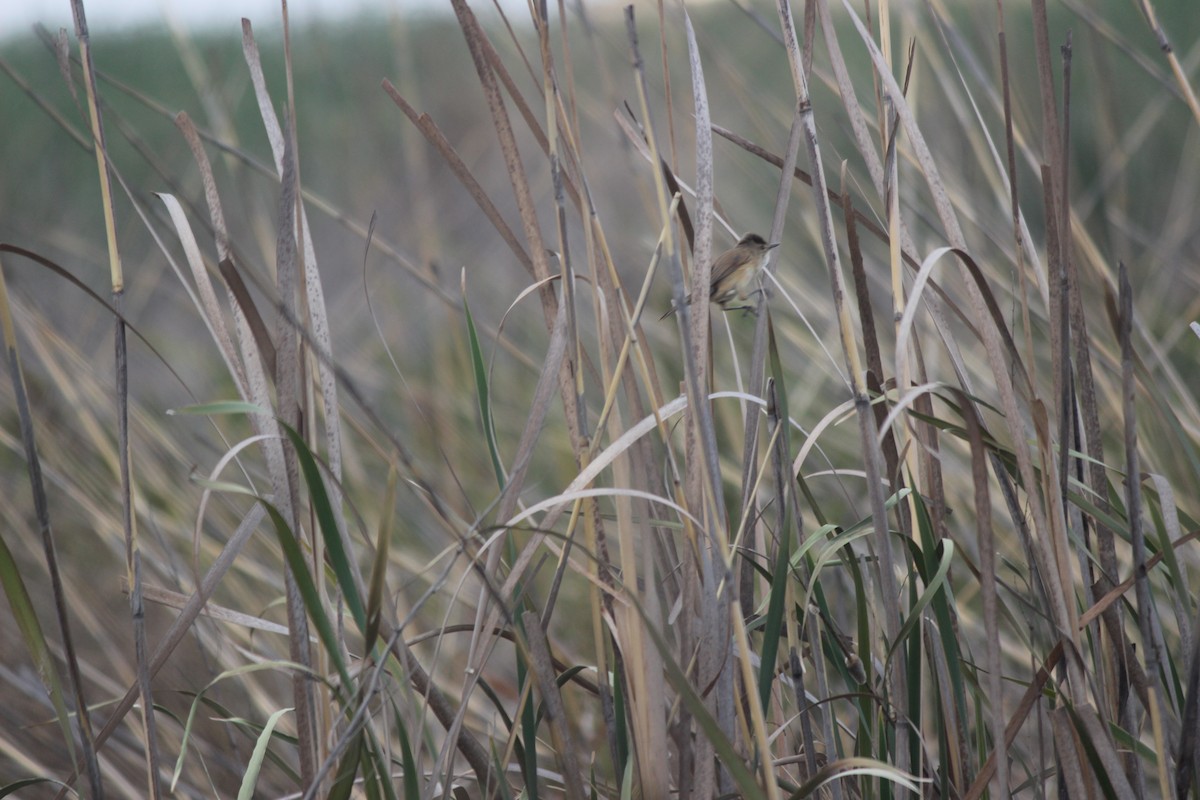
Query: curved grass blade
<point x="246" y="792"/>
<point x="200" y="698"/>
<point x="935" y="585"/>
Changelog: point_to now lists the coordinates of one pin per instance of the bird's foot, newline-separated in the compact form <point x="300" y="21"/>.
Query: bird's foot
<point x="744" y="309"/>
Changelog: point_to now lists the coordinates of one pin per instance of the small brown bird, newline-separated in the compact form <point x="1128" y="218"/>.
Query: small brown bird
<point x="735" y="273"/>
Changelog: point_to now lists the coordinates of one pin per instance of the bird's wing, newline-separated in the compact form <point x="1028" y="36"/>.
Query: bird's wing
<point x="721" y="268"/>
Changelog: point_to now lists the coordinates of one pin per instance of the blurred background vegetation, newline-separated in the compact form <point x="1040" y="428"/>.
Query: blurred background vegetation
<point x="396" y="306"/>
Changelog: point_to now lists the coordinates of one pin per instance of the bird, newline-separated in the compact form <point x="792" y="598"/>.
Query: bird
<point x="735" y="272"/>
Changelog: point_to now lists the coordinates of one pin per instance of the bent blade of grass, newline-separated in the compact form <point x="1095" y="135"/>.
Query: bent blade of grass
<point x="250" y="779"/>
<point x="207" y="305"/>
<point x="245" y="669"/>
<point x="849" y="767"/>
<point x="478" y="43"/>
<point x="18" y="785"/>
<point x="932" y="588"/>
<point x="247" y="374"/>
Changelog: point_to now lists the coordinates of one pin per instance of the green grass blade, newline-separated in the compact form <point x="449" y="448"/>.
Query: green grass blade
<point x="482" y="393"/>
<point x="308" y="592"/>
<point x="334" y="551"/>
<point x="935" y="585"/>
<point x="343" y="784"/>
<point x="35" y="641"/>
<point x="246" y="792"/>
<point x="412" y="789"/>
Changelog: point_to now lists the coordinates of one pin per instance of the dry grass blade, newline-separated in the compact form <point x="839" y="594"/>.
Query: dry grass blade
<point x="540" y="406"/>
<point x="287" y="486"/>
<point x="179" y="601"/>
<point x="242" y="307"/>
<point x="210" y="309"/>
<point x="1090" y="725"/>
<point x="556" y="118"/>
<point x="1164" y="45"/>
<point x="315" y="314"/>
<point x="1086" y="395"/>
<point x="1069" y="752"/>
<point x="512" y="159"/>
<point x="702" y="246"/>
<point x="700" y="436"/>
<point x="1051" y="136"/>
<point x="433" y="135"/>
<point x="1010" y="163"/>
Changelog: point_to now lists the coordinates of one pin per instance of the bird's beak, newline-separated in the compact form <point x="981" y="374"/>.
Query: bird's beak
<point x="773" y="246"/>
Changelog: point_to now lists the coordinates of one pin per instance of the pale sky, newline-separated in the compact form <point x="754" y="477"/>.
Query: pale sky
<point x="18" y="16"/>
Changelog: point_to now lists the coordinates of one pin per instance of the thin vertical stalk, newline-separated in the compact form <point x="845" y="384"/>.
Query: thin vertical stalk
<point x="1147" y="615"/>
<point x="121" y="366"/>
<point x="987" y="568"/>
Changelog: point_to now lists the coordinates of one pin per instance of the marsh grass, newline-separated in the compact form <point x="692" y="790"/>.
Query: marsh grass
<point x="469" y="532"/>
